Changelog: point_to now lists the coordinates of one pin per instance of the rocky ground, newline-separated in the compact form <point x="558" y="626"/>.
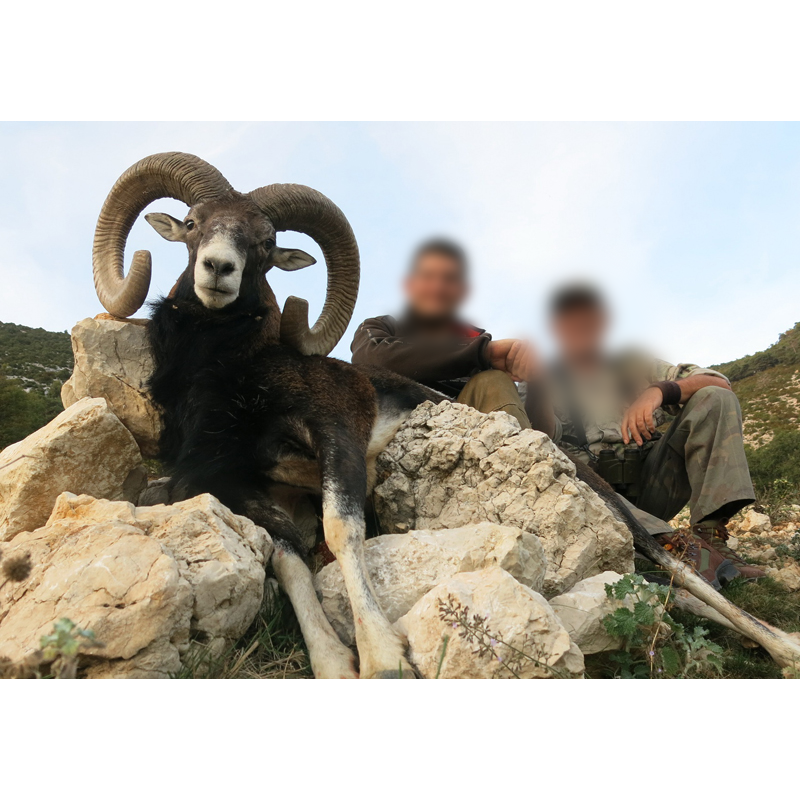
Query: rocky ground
<point x="774" y="546"/>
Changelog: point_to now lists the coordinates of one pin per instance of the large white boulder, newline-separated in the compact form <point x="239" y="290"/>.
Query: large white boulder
<point x="84" y="450"/>
<point x="146" y="581"/>
<point x="113" y="360"/>
<point x="450" y="466"/>
<point x="403" y="567"/>
<point x="486" y="624"/>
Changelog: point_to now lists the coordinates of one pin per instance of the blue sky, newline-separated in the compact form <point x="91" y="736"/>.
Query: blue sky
<point x="694" y="229"/>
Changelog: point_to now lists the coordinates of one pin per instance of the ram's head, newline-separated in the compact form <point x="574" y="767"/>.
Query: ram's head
<point x="231" y="241"/>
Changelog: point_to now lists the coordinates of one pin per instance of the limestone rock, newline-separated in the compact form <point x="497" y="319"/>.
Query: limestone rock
<point x="450" y="466"/>
<point x="581" y="611"/>
<point x="113" y="360"/>
<point x="754" y="523"/>
<point x="144" y="580"/>
<point x="222" y="555"/>
<point x="515" y="618"/>
<point x="788" y="575"/>
<point x="403" y="567"/>
<point x="85" y="450"/>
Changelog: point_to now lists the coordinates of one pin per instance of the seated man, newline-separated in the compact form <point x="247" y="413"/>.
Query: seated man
<point x="605" y="411"/>
<point x="432" y="345"/>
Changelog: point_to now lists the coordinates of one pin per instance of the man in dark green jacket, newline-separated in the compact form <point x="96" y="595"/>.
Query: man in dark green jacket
<point x="432" y="345"/>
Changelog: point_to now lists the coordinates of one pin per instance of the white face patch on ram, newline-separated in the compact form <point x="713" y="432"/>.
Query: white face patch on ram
<point x="218" y="271"/>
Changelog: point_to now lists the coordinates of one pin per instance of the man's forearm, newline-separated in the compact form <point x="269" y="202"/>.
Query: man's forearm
<point x="694" y="383"/>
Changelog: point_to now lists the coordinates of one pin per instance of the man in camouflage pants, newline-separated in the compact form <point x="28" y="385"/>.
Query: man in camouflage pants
<point x="606" y="411"/>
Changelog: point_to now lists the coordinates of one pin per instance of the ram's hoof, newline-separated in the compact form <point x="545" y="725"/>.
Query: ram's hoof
<point x="384" y="674"/>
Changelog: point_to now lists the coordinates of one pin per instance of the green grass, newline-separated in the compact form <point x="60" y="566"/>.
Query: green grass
<point x="765" y="599"/>
<point x="271" y="648"/>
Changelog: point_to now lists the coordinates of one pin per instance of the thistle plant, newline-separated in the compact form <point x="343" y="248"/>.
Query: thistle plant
<point x="15" y="569"/>
<point x="474" y="628"/>
<point x="60" y="648"/>
<point x="654" y="645"/>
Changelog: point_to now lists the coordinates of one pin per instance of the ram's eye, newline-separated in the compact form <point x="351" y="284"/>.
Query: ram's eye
<point x="189" y="224"/>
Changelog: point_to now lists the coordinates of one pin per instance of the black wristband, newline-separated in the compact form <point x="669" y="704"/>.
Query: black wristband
<point x="670" y="392"/>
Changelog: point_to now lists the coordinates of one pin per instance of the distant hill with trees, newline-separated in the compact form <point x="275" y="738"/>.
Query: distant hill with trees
<point x="34" y="363"/>
<point x="767" y="384"/>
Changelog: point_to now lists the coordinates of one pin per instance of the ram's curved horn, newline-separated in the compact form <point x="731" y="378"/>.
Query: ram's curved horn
<point x="179" y="175"/>
<point x="297" y="208"/>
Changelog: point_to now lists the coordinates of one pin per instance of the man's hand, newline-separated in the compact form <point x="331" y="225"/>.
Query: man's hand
<point x="514" y="357"/>
<point x="638" y="423"/>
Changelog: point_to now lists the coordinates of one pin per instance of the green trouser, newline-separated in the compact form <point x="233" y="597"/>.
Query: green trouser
<point x="493" y="390"/>
<point x="700" y="460"/>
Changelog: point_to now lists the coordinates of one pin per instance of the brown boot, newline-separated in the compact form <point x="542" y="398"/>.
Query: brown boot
<point x="714" y="533"/>
<point x="708" y="561"/>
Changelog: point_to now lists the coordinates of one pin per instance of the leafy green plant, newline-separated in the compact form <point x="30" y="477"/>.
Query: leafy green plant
<point x="57" y="656"/>
<point x="654" y="644"/>
<point x="60" y="648"/>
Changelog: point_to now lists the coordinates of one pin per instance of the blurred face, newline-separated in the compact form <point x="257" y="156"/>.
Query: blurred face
<point x="580" y="333"/>
<point x="435" y="289"/>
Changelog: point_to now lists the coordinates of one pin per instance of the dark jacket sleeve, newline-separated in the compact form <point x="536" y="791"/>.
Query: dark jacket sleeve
<point x="425" y="360"/>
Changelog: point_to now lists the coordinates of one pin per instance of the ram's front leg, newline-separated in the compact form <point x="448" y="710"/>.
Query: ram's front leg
<point x="381" y="650"/>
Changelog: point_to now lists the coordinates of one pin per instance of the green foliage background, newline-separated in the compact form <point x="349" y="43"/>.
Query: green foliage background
<point x="33" y="365"/>
<point x="768" y="387"/>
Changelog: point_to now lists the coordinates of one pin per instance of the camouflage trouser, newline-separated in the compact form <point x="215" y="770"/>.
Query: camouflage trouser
<point x="493" y="390"/>
<point x="700" y="460"/>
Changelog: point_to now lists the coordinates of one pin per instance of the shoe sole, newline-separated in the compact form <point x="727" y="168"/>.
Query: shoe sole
<point x="725" y="573"/>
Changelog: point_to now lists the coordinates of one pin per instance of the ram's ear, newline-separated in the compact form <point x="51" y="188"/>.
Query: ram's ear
<point x="290" y="260"/>
<point x="173" y="230"/>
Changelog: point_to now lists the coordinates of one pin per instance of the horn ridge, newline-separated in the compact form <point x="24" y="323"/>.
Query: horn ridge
<point x="299" y="208"/>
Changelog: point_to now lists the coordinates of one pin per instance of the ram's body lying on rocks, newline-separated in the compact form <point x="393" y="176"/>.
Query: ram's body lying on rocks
<point x="256" y="415"/>
<point x="253" y="412"/>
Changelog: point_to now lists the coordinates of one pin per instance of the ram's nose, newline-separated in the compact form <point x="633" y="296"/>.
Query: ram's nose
<point x="218" y="266"/>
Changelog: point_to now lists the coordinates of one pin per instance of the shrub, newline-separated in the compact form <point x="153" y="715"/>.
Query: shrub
<point x="22" y="413"/>
<point x="775" y="467"/>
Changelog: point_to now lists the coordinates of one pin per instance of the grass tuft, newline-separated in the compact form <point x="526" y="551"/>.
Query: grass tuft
<point x="271" y="648"/>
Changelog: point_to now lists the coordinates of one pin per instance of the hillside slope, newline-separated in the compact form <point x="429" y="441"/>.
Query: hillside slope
<point x="33" y="365"/>
<point x="34" y="357"/>
<point x="768" y="386"/>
